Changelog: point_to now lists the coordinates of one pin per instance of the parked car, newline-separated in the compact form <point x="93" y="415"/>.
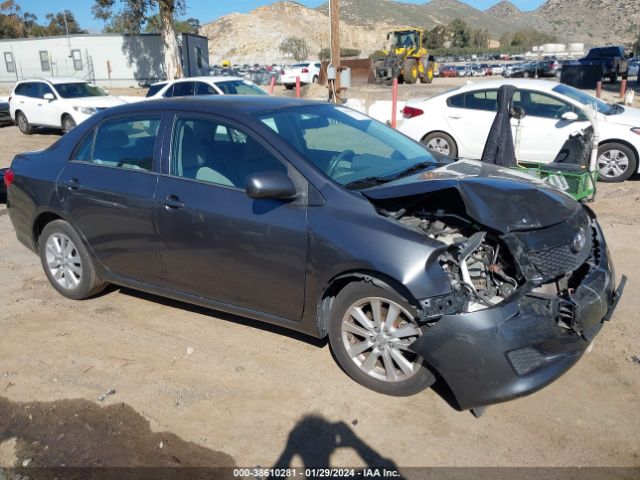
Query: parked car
<point x="57" y="102"/>
<point x="458" y="123"/>
<point x="221" y="85"/>
<point x="475" y="71"/>
<point x="633" y="68"/>
<point x="612" y="59"/>
<point x="308" y="72"/>
<point x="448" y="71"/>
<point x="5" y="113"/>
<point x="497" y="69"/>
<point x="317" y="218"/>
<point x="549" y="68"/>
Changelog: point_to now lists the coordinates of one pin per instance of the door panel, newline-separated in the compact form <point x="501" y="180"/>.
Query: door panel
<point x="215" y="241"/>
<point x="470" y="116"/>
<point x="114" y="210"/>
<point x="542" y="132"/>
<point x="227" y="247"/>
<point x="108" y="191"/>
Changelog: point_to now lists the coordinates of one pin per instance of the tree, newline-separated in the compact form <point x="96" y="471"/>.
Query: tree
<point x="296" y="47"/>
<point x="529" y="37"/>
<point x="11" y="25"/>
<point x="133" y="16"/>
<point x="57" y="25"/>
<point x="461" y="33"/>
<point x="437" y="37"/>
<point x="191" y="25"/>
<point x="480" y="38"/>
<point x="325" y="53"/>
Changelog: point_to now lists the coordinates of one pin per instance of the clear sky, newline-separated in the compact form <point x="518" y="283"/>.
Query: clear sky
<point x="208" y="10"/>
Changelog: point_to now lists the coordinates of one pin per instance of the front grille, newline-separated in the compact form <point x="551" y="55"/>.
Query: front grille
<point x="526" y="360"/>
<point x="560" y="260"/>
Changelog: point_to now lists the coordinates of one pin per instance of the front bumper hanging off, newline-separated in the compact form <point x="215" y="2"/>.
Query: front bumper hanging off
<point x="518" y="347"/>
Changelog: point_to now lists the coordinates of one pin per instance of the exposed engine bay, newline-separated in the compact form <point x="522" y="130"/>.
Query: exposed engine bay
<point x="487" y="267"/>
<point x="477" y="263"/>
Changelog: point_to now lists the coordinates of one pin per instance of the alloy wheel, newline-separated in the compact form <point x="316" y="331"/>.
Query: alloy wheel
<point x="440" y="145"/>
<point x="613" y="163"/>
<point x="377" y="334"/>
<point x="63" y="261"/>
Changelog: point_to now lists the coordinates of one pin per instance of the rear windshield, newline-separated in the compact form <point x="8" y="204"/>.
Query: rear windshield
<point x="153" y="89"/>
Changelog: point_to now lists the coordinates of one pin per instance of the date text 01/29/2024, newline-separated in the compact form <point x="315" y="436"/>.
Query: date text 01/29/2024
<point x="315" y="473"/>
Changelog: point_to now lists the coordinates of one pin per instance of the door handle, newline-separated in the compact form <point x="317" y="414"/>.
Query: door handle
<point x="455" y="115"/>
<point x="72" y="184"/>
<point x="172" y="201"/>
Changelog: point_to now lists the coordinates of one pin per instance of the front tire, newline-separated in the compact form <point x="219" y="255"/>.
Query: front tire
<point x="67" y="263"/>
<point x="616" y="162"/>
<point x="410" y="71"/>
<point x="370" y="330"/>
<point x="441" y="143"/>
<point x="68" y="123"/>
<point x="23" y="124"/>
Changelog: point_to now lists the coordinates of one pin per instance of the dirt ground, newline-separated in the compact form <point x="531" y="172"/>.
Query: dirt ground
<point x="197" y="387"/>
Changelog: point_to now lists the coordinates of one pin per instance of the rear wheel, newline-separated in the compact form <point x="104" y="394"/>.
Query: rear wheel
<point x="315" y="79"/>
<point x="370" y="331"/>
<point x="410" y="71"/>
<point x="442" y="143"/>
<point x="616" y="162"/>
<point x="288" y="86"/>
<point x="67" y="263"/>
<point x="23" y="124"/>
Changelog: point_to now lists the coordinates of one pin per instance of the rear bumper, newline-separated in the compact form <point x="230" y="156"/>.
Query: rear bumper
<point x="518" y="347"/>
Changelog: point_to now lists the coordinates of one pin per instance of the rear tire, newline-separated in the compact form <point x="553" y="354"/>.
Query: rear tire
<point x="288" y="86"/>
<point x="386" y="365"/>
<point x="441" y="143"/>
<point x="315" y="79"/>
<point x="23" y="124"/>
<point x="67" y="263"/>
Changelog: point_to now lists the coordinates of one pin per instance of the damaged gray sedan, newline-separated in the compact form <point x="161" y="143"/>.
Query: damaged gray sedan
<point x="319" y="219"/>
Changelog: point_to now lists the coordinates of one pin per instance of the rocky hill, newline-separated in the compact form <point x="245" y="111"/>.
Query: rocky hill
<point x="255" y="37"/>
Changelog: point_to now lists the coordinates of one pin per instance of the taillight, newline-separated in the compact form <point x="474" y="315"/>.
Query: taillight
<point x="410" y="112"/>
<point x="9" y="176"/>
<point x="305" y="70"/>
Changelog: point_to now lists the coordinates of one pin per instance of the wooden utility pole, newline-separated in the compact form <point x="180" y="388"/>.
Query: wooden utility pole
<point x="334" y="16"/>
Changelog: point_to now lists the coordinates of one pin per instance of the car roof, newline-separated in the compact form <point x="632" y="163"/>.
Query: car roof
<point x="520" y="83"/>
<point x="228" y="105"/>
<point x="54" y="80"/>
<point x="214" y="79"/>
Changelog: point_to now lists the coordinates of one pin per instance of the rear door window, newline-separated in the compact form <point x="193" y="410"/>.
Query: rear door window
<point x="479" y="100"/>
<point x="183" y="89"/>
<point x="153" y="89"/>
<point x="205" y="89"/>
<point x="124" y="143"/>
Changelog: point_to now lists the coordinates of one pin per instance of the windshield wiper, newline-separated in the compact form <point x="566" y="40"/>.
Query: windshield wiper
<point x="367" y="182"/>
<point x="412" y="169"/>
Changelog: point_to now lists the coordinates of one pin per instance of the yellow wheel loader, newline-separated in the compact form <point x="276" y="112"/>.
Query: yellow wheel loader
<point x="407" y="59"/>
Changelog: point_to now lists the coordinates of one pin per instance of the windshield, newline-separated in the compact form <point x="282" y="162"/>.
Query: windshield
<point x="78" y="89"/>
<point x="240" y="87"/>
<point x="406" y="39"/>
<point x="347" y="145"/>
<point x="586" y="99"/>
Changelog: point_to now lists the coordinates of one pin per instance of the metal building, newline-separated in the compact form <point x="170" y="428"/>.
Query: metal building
<point x="109" y="60"/>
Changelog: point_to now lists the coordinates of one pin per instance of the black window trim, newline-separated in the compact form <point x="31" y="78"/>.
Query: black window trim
<point x="157" y="148"/>
<point x="299" y="180"/>
<point x="469" y="92"/>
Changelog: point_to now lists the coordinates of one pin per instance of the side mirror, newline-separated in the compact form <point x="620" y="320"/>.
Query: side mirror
<point x="270" y="185"/>
<point x="569" y="116"/>
<point x="49" y="96"/>
<point x="517" y="112"/>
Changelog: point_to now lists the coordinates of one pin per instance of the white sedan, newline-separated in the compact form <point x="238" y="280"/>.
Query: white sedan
<point x="457" y="123"/>
<point x="186" y="87"/>
<point x="307" y="72"/>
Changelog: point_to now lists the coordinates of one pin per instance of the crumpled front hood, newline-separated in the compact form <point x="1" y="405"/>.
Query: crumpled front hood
<point x="502" y="199"/>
